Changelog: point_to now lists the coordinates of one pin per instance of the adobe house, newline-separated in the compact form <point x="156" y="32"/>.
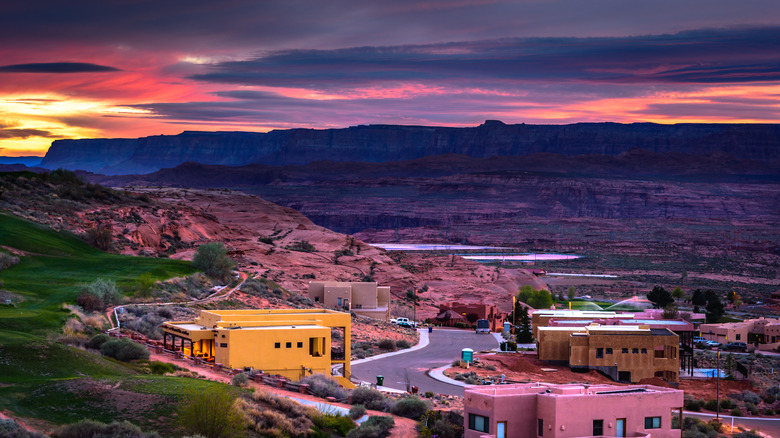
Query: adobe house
<point x="363" y="298"/>
<point x="572" y="410"/>
<point x="762" y="331"/>
<point x="477" y="311"/>
<point x="624" y="353"/>
<point x="293" y="343"/>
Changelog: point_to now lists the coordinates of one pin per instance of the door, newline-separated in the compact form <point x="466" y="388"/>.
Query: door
<point x="501" y="429"/>
<point x="620" y="427"/>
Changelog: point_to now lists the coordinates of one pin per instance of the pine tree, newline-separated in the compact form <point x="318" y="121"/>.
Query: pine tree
<point x="524" y="334"/>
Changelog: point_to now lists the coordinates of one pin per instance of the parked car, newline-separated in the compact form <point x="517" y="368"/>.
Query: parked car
<point x="404" y="322"/>
<point x="483" y="326"/>
<point x="711" y="344"/>
<point x="698" y="340"/>
<point x="736" y="346"/>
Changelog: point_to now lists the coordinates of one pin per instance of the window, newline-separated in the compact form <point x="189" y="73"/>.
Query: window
<point x="635" y="350"/>
<point x="598" y="427"/>
<point x="338" y="302"/>
<point x="625" y="350"/>
<point x="223" y="345"/>
<point x="288" y="345"/>
<point x="739" y="336"/>
<point x="277" y="345"/>
<point x="652" y="422"/>
<point x="501" y="429"/>
<point x="599" y="352"/>
<point x="609" y="351"/>
<point x="479" y="423"/>
<point x="540" y="427"/>
<point x="300" y="344"/>
<point x="644" y="351"/>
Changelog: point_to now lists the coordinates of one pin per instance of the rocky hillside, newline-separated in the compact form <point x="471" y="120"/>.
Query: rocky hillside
<point x="381" y="143"/>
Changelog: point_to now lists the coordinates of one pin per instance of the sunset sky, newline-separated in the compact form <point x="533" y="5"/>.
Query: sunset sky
<point x="131" y="68"/>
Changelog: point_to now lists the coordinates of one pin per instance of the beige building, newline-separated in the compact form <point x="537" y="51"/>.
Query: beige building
<point x="762" y="331"/>
<point x="365" y="298"/>
<point x="624" y="353"/>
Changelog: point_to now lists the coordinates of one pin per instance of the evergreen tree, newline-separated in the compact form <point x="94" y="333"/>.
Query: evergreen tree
<point x="524" y="333"/>
<point x="660" y="297"/>
<point x="699" y="299"/>
<point x="714" y="309"/>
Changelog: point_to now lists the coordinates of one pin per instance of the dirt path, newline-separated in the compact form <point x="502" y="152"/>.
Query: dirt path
<point x="404" y="427"/>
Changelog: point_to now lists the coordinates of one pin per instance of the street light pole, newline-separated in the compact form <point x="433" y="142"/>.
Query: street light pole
<point x="414" y="303"/>
<point x="717" y="388"/>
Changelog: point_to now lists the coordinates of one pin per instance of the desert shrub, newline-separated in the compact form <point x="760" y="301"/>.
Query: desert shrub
<point x="456" y="362"/>
<point x="411" y="407"/>
<point x="7" y="260"/>
<point x="375" y="427"/>
<point x="148" y="323"/>
<point x="693" y="404"/>
<point x="160" y="368"/>
<point x="429" y="394"/>
<point x="98" y="295"/>
<point x="737" y="412"/>
<point x="460" y="377"/>
<point x="323" y="386"/>
<point x="273" y="415"/>
<point x="747" y="434"/>
<point x="124" y="350"/>
<point x="301" y="246"/>
<point x="403" y="344"/>
<point x="212" y="260"/>
<point x="490" y="367"/>
<point x="357" y="411"/>
<point x="97" y="341"/>
<point x="370" y="398"/>
<point x="508" y="346"/>
<point x="254" y="287"/>
<point x="94" y="429"/>
<point x="695" y="428"/>
<point x="99" y="237"/>
<point x="441" y="424"/>
<point x="386" y="344"/>
<point x="12" y="429"/>
<point x="339" y="424"/>
<point x="712" y="405"/>
<point x="769" y="412"/>
<point x="750" y="397"/>
<point x="212" y="413"/>
<point x="770" y="394"/>
<point x="240" y="379"/>
<point x="752" y="408"/>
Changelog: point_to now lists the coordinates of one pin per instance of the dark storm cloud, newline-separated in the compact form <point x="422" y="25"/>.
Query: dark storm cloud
<point x="56" y="67"/>
<point x="703" y="56"/>
<point x="26" y="133"/>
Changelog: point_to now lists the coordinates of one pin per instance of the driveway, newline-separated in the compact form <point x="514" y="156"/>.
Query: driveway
<point x="444" y="346"/>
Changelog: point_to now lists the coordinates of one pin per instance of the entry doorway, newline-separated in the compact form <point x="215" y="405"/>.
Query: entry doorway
<point x="501" y="429"/>
<point x="620" y="427"/>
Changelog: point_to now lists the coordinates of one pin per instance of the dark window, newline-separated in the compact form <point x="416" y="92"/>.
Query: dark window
<point x="316" y="299"/>
<point x="540" y="427"/>
<point x="223" y="336"/>
<point x="479" y="423"/>
<point x="652" y="422"/>
<point x="644" y="351"/>
<point x="288" y="345"/>
<point x="277" y="345"/>
<point x="609" y="351"/>
<point x="300" y="344"/>
<point x="223" y="345"/>
<point x="598" y="427"/>
<point x="599" y="352"/>
<point x="625" y="350"/>
<point x="635" y="350"/>
<point x="739" y="336"/>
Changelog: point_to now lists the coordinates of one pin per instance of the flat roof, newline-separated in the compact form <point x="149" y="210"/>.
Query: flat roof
<point x="277" y="327"/>
<point x="564" y="390"/>
<point x="189" y="326"/>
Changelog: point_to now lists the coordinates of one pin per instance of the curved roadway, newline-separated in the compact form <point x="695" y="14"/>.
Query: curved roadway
<point x="444" y="346"/>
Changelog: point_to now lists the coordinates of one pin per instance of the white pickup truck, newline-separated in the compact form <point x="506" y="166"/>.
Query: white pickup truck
<point x="404" y="322"/>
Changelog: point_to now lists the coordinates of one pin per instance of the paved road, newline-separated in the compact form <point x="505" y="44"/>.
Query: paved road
<point x="768" y="426"/>
<point x="444" y="347"/>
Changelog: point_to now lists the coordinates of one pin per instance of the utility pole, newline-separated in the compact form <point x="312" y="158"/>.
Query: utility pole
<point x="717" y="389"/>
<point x="414" y="303"/>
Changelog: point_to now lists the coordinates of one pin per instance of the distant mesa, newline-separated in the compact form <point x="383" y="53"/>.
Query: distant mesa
<point x="387" y="143"/>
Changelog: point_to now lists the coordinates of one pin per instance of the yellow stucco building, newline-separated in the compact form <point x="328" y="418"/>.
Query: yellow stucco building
<point x="290" y="342"/>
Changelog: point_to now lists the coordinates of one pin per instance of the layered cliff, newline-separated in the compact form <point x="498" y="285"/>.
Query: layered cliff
<point x="382" y="143"/>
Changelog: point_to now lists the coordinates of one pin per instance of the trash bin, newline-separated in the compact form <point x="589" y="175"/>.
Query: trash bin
<point x="380" y="380"/>
<point x="430" y="329"/>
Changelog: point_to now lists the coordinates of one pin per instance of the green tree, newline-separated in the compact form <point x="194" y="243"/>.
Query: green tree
<point x="144" y="284"/>
<point x="212" y="414"/>
<point x="98" y="295"/>
<point x="660" y="297"/>
<point x="571" y="293"/>
<point x="524" y="333"/>
<point x="714" y="309"/>
<point x="213" y="261"/>
<point x="699" y="298"/>
<point x="538" y="299"/>
<point x="678" y="293"/>
<point x="671" y="311"/>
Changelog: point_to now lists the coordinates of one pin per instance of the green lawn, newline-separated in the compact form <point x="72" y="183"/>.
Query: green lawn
<point x="58" y="264"/>
<point x="40" y="378"/>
